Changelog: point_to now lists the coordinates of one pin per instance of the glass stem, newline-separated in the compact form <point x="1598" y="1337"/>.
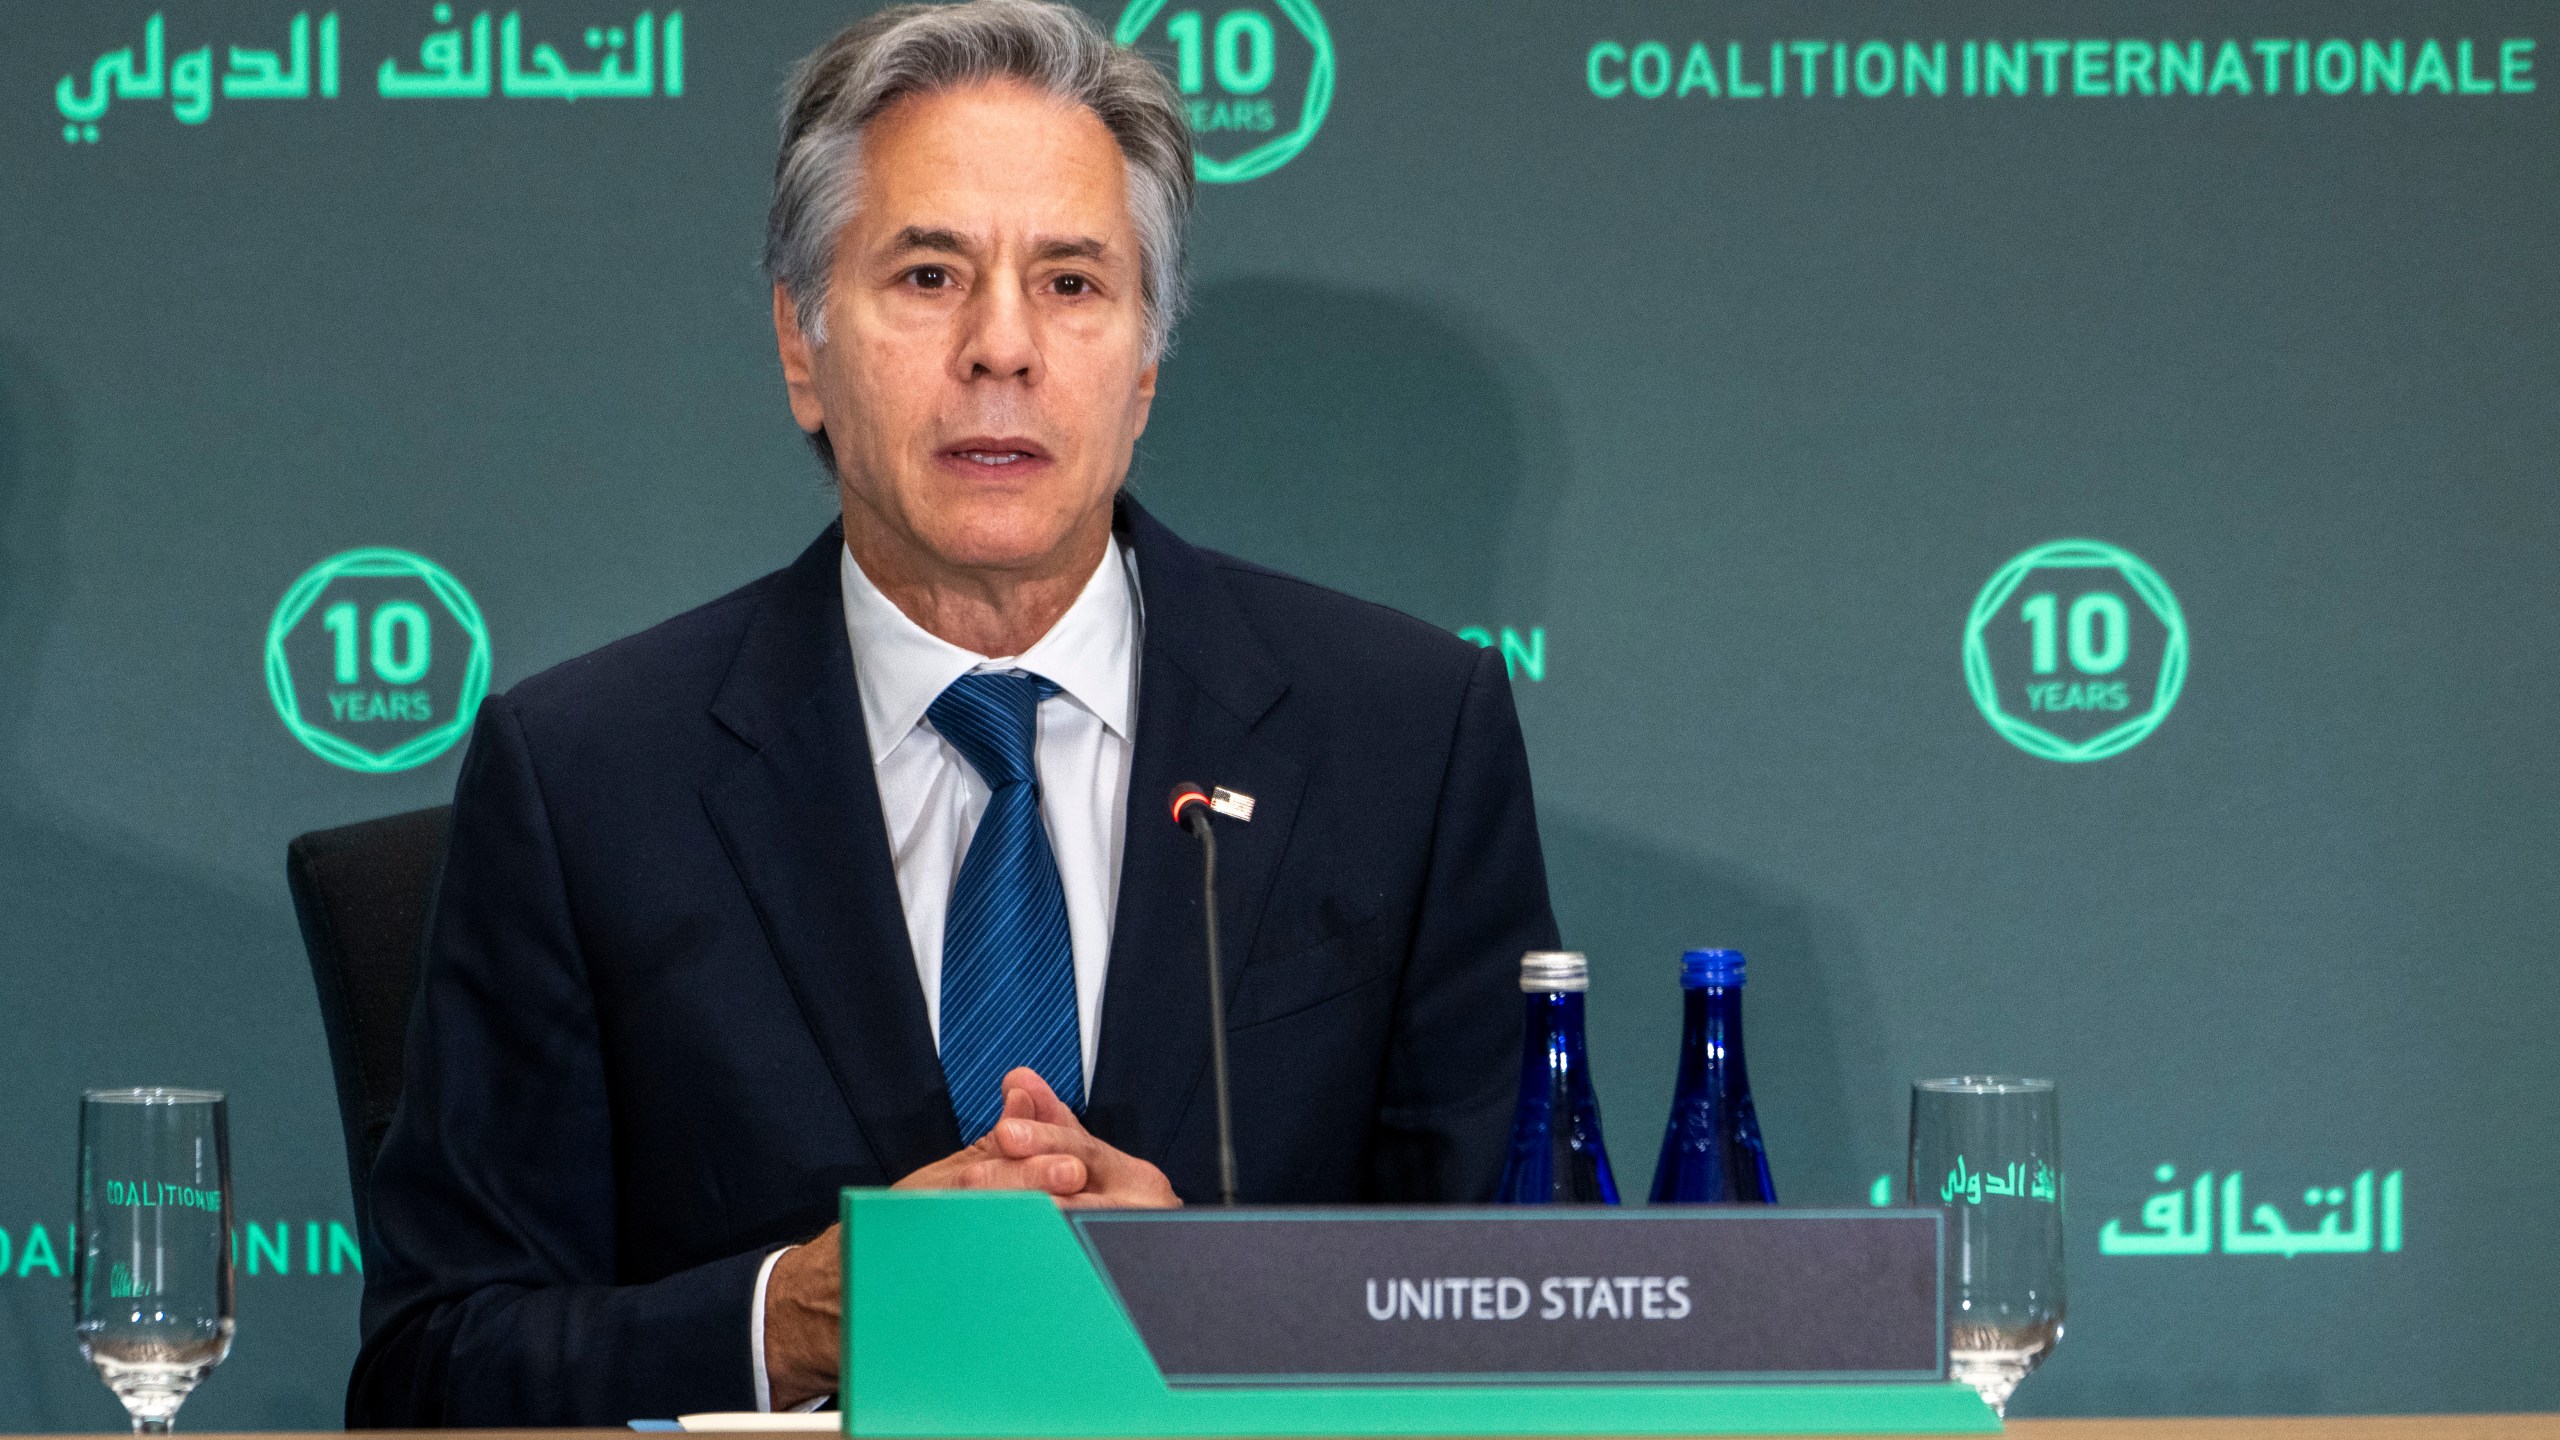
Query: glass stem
<point x="150" y="1427"/>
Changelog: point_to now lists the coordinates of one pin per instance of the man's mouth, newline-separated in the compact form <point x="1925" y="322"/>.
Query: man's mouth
<point x="996" y="453"/>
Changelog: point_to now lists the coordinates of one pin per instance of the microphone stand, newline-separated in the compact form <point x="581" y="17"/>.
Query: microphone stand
<point x="1196" y="820"/>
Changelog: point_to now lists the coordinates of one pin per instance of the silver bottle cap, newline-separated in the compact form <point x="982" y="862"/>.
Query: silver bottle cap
<point x="1548" y="972"/>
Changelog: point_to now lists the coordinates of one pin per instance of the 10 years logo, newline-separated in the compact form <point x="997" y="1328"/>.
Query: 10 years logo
<point x="2075" y="650"/>
<point x="377" y="660"/>
<point x="1247" y="124"/>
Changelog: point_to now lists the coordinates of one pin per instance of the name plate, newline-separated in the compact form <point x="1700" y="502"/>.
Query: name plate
<point x="1527" y="1295"/>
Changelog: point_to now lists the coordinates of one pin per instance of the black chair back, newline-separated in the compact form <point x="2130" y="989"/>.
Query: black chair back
<point x="362" y="893"/>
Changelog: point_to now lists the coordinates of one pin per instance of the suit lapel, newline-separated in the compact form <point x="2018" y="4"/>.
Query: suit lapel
<point x="801" y="822"/>
<point x="1205" y="680"/>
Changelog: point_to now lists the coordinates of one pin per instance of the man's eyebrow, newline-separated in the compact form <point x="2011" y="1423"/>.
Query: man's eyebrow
<point x="922" y="237"/>
<point x="1074" y="247"/>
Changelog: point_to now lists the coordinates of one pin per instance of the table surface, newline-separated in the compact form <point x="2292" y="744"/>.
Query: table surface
<point x="2289" y="1427"/>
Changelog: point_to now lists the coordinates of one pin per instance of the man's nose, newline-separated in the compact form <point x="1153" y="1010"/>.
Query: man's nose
<point x="1000" y="338"/>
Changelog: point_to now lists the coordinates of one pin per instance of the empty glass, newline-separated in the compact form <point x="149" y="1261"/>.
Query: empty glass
<point x="1988" y="1148"/>
<point x="151" y="1256"/>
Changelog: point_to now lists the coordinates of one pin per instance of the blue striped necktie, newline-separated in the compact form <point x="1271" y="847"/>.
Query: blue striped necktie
<point x="1008" y="965"/>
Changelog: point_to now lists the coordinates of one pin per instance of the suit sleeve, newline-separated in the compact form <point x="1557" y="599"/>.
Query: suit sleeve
<point x="1453" y="1062"/>
<point x="492" y="1294"/>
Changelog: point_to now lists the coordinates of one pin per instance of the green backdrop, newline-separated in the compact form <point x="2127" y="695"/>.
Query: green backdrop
<point x="1716" y="384"/>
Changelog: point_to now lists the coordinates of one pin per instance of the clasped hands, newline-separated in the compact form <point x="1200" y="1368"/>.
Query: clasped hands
<point x="1037" y="1144"/>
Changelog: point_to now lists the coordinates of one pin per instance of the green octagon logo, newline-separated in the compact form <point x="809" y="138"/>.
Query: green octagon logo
<point x="1242" y="127"/>
<point x="2075" y="650"/>
<point x="377" y="660"/>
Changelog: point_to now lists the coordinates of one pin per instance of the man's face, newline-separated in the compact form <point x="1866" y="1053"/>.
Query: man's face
<point x="985" y="373"/>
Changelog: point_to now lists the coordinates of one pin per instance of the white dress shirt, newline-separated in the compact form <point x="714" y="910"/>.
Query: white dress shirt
<point x="931" y="796"/>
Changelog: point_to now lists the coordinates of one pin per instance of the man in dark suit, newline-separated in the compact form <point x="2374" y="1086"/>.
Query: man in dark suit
<point x="862" y="875"/>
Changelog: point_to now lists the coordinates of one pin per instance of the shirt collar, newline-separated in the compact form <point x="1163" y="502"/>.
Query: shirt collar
<point x="901" y="668"/>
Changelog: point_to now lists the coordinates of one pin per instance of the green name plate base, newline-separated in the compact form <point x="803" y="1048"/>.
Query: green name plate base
<point x="978" y="1314"/>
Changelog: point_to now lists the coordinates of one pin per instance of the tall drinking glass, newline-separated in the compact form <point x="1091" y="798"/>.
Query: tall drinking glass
<point x="1988" y="1149"/>
<point x="151" y="1259"/>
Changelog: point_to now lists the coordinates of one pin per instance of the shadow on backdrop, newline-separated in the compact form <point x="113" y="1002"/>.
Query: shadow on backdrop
<point x="116" y="966"/>
<point x="1374" y="444"/>
<point x="1363" y="441"/>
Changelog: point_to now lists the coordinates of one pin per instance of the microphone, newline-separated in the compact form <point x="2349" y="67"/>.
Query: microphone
<point x="1191" y="812"/>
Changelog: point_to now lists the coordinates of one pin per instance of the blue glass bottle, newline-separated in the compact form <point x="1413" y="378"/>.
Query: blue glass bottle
<point x="1556" y="1154"/>
<point x="1711" y="1151"/>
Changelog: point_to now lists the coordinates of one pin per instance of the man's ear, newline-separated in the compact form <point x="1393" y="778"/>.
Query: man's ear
<point x="799" y="363"/>
<point x="1146" y="397"/>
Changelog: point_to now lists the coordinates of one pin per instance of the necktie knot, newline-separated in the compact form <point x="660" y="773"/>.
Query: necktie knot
<point x="993" y="721"/>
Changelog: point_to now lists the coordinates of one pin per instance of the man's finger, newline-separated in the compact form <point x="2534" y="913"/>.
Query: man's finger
<point x="1023" y="1139"/>
<point x="1056" y="1174"/>
<point x="1046" y="1107"/>
<point x="1109" y="1176"/>
<point x="1017" y="1105"/>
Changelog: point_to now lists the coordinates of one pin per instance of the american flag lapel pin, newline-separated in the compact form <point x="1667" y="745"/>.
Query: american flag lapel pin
<point x="1234" y="804"/>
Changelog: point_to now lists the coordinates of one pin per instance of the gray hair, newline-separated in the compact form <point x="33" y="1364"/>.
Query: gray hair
<point x="921" y="49"/>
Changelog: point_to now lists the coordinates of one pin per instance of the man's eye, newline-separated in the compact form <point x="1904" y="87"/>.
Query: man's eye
<point x="930" y="277"/>
<point x="1073" y="285"/>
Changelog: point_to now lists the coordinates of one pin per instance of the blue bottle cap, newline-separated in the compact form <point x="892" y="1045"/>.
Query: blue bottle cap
<point x="1701" y="968"/>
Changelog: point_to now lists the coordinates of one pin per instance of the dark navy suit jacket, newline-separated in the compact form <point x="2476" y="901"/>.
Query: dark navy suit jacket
<point x="669" y="1005"/>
